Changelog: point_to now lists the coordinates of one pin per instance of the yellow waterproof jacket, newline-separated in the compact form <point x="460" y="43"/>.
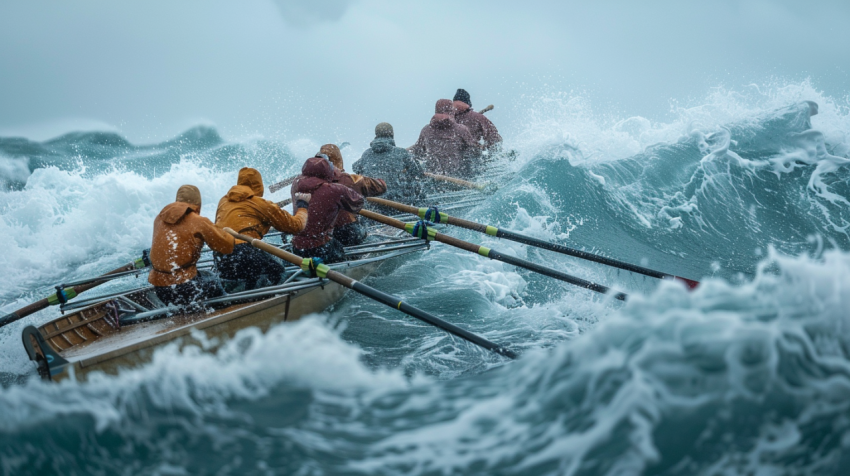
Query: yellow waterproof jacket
<point x="244" y="210"/>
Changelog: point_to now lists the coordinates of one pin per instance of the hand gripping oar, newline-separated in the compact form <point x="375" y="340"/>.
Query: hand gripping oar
<point x="417" y="230"/>
<point x="62" y="295"/>
<point x="438" y="217"/>
<point x="323" y="271"/>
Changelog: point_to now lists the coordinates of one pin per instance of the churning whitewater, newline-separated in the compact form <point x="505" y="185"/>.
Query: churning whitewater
<point x="749" y="374"/>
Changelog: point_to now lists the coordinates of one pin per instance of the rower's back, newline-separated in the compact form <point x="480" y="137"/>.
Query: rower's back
<point x="446" y="147"/>
<point x="328" y="200"/>
<point x="394" y="165"/>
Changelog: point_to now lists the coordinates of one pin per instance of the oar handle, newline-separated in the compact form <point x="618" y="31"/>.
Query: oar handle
<point x="486" y="109"/>
<point x="377" y="295"/>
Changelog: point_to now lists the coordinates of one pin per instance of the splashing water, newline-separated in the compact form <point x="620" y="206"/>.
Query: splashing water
<point x="746" y="191"/>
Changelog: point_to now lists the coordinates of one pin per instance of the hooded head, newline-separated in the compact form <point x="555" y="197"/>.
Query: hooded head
<point x="384" y="129"/>
<point x="189" y="194"/>
<point x="444" y="106"/>
<point x="252" y="179"/>
<point x="188" y="200"/>
<point x="463" y="96"/>
<point x="318" y="167"/>
<point x="334" y="155"/>
<point x="445" y="114"/>
<point x="249" y="184"/>
<point x="461" y="107"/>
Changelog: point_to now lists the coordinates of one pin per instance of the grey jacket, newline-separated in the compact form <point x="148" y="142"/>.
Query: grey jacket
<point x="396" y="167"/>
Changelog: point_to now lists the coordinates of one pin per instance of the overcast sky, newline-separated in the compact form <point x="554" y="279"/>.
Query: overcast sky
<point x="330" y="70"/>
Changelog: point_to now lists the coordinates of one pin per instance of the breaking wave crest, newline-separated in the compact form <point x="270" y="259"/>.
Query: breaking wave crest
<point x="746" y="191"/>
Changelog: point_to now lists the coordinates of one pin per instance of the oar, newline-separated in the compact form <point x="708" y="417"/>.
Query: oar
<point x="277" y="186"/>
<point x="439" y="217"/>
<point x="488" y="253"/>
<point x="323" y="271"/>
<point x="457" y="181"/>
<point x="486" y="109"/>
<point x="61" y="296"/>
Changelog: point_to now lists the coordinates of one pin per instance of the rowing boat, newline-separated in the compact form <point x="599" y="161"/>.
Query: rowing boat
<point x="122" y="330"/>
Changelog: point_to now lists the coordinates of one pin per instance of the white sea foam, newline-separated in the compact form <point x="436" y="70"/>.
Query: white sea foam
<point x="306" y="354"/>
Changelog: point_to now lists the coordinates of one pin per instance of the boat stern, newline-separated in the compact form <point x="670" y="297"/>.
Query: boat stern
<point x="50" y="364"/>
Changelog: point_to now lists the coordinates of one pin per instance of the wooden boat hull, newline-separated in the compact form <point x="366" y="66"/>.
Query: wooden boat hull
<point x="62" y="349"/>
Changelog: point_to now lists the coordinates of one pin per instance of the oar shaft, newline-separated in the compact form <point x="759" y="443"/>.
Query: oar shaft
<point x="456" y="181"/>
<point x="380" y="296"/>
<point x="394" y="302"/>
<point x="69" y="292"/>
<point x="277" y="186"/>
<point x="513" y="236"/>
<point x="493" y="254"/>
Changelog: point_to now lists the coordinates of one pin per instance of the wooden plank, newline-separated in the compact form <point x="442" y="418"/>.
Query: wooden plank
<point x="72" y="326"/>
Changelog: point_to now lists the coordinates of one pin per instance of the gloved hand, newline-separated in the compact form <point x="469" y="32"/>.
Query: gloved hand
<point x="302" y="200"/>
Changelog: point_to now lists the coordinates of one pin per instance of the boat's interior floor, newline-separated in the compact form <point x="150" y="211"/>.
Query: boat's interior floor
<point x="137" y="333"/>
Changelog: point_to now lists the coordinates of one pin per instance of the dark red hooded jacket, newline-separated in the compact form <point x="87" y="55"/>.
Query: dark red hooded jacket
<point x="328" y="200"/>
<point x="481" y="128"/>
<point x="366" y="186"/>
<point x="445" y="146"/>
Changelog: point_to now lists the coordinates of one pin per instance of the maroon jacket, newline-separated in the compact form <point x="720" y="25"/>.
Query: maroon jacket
<point x="445" y="146"/>
<point x="481" y="128"/>
<point x="328" y="200"/>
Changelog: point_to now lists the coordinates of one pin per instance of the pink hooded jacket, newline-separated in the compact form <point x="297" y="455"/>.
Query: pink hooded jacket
<point x="481" y="128"/>
<point x="445" y="146"/>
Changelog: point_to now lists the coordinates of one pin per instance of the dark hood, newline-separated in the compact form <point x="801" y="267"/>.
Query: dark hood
<point x="315" y="172"/>
<point x="382" y="144"/>
<point x="319" y="168"/>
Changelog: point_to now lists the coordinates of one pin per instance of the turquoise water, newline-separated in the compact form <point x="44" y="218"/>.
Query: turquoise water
<point x="749" y="374"/>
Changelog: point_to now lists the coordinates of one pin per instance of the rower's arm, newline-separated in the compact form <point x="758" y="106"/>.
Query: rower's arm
<point x="215" y="237"/>
<point x="282" y="221"/>
<point x="367" y="186"/>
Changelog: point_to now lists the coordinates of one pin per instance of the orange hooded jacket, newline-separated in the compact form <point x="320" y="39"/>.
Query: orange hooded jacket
<point x="244" y="210"/>
<point x="179" y="234"/>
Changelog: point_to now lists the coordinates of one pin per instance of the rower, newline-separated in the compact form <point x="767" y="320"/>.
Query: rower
<point x="244" y="209"/>
<point x="179" y="234"/>
<point x="482" y="129"/>
<point x="393" y="165"/>
<point x="445" y="146"/>
<point x="347" y="229"/>
<point x="328" y="200"/>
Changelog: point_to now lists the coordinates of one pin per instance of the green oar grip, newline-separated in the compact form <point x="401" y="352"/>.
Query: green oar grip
<point x="411" y="228"/>
<point x="310" y="266"/>
<point x="67" y="293"/>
